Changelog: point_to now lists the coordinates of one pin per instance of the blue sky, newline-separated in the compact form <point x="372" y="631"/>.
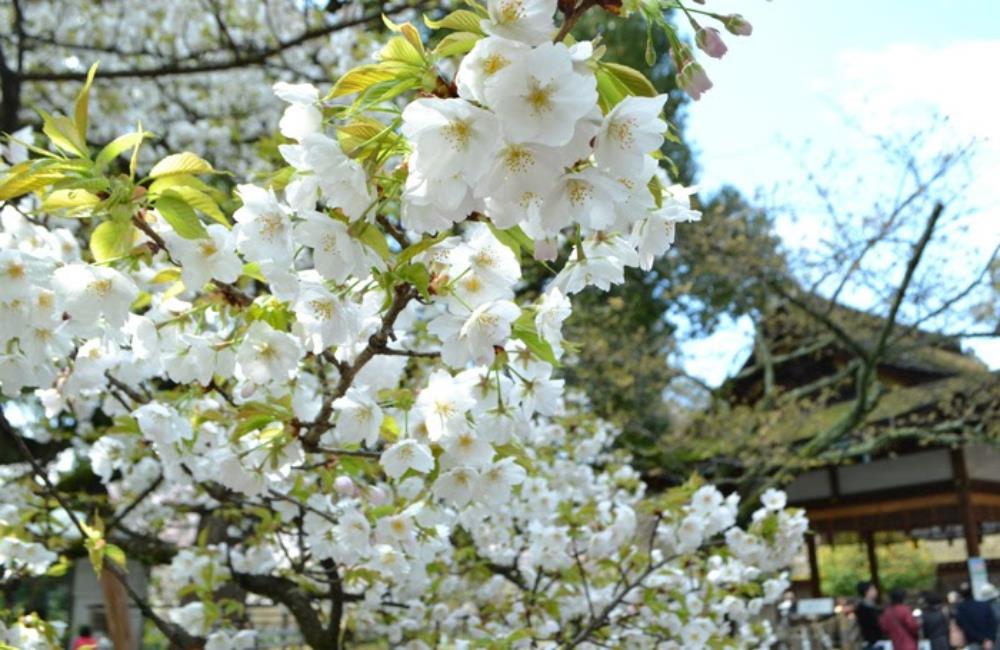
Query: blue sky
<point x="781" y="97"/>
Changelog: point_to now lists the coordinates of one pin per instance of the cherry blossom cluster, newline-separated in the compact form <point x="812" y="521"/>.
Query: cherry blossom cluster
<point x="343" y="388"/>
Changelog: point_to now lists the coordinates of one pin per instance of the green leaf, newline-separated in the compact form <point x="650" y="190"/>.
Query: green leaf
<point x="180" y="215"/>
<point x="18" y="184"/>
<point x="58" y="569"/>
<point x="408" y="31"/>
<point x="514" y="239"/>
<point x="160" y="185"/>
<point x="416" y="249"/>
<point x="95" y="549"/>
<point x="92" y="185"/>
<point x="361" y="78"/>
<point x="610" y="91"/>
<point x="112" y="239"/>
<point x="252" y="270"/>
<point x="82" y="101"/>
<point x="199" y="201"/>
<point x="418" y="276"/>
<point x="524" y="330"/>
<point x="120" y="145"/>
<point x="634" y="82"/>
<point x="133" y="162"/>
<point x="180" y="163"/>
<point x="73" y="201"/>
<point x="116" y="555"/>
<point x="460" y="20"/>
<point x="456" y="43"/>
<point x="375" y="239"/>
<point x="63" y="134"/>
<point x="402" y="50"/>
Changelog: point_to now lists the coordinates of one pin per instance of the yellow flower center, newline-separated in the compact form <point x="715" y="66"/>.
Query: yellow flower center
<point x="266" y="351"/>
<point x="207" y="247"/>
<point x="466" y="441"/>
<point x="323" y="308"/>
<point x="518" y="159"/>
<point x="510" y="11"/>
<point x="444" y="409"/>
<point x="16" y="271"/>
<point x="457" y="133"/>
<point x="487" y="320"/>
<point x="101" y="287"/>
<point x="472" y="285"/>
<point x="539" y="97"/>
<point x="271" y="226"/>
<point x="579" y="192"/>
<point x="494" y="63"/>
<point x="623" y="132"/>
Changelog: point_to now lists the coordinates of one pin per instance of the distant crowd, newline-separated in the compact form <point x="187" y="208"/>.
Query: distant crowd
<point x="958" y="622"/>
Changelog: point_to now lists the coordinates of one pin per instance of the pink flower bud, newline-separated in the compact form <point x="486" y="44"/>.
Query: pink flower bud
<point x="344" y="486"/>
<point x="737" y="24"/>
<point x="693" y="80"/>
<point x="710" y="42"/>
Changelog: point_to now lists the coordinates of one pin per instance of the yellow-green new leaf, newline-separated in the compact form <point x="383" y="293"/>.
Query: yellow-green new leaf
<point x="180" y="163"/>
<point x="401" y="50"/>
<point x="73" y="201"/>
<point x="375" y="239"/>
<point x="120" y="145"/>
<point x="62" y="132"/>
<point x="82" y="101"/>
<point x="111" y="240"/>
<point x="360" y="79"/>
<point x="634" y="81"/>
<point x="460" y="20"/>
<point x="199" y="201"/>
<point x="408" y="31"/>
<point x="456" y="43"/>
<point x="116" y="555"/>
<point x="19" y="184"/>
<point x="180" y="216"/>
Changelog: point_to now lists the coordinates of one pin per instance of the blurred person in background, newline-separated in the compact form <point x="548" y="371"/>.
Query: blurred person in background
<point x="977" y="621"/>
<point x="867" y="613"/>
<point x="898" y="624"/>
<point x="991" y="596"/>
<point x="934" y="622"/>
<point x="85" y="639"/>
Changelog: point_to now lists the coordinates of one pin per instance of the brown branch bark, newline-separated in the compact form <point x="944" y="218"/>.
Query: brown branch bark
<point x="377" y="344"/>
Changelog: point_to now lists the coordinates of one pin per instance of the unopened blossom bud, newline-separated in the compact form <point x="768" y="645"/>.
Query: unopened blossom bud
<point x="344" y="486"/>
<point x="737" y="24"/>
<point x="710" y="42"/>
<point x="546" y="250"/>
<point x="693" y="80"/>
<point x="377" y="496"/>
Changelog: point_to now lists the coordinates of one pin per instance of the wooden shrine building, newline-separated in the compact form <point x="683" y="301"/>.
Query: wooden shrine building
<point x="924" y="462"/>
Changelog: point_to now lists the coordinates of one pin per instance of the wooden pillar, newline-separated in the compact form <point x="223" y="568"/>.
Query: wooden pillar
<point x="116" y="611"/>
<point x="815" y="590"/>
<point x="970" y="527"/>
<point x="872" y="558"/>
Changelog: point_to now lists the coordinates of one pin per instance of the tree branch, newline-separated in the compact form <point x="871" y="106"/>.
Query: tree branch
<point x="176" y="634"/>
<point x="377" y="344"/>
<point x="258" y="58"/>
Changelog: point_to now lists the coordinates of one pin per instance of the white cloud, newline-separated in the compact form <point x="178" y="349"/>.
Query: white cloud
<point x="900" y="86"/>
